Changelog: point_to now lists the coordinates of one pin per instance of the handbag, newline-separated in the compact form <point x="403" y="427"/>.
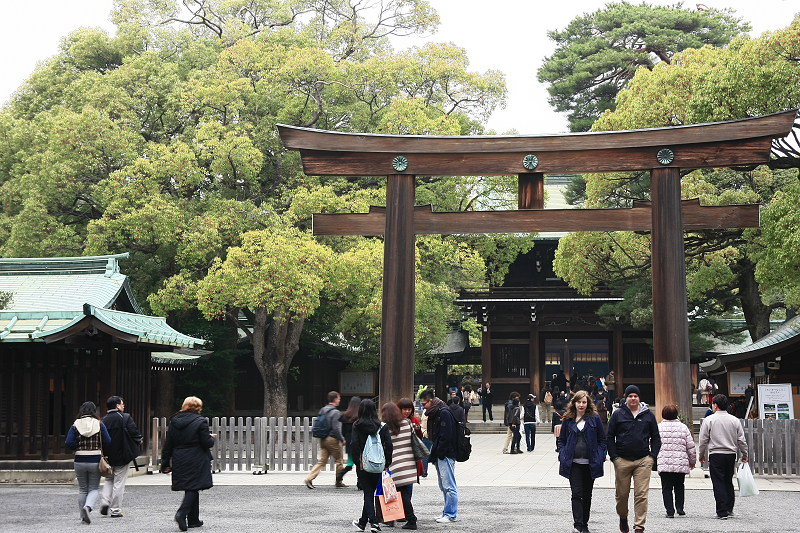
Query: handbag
<point x="747" y="484"/>
<point x="103" y="467"/>
<point x="418" y="448"/>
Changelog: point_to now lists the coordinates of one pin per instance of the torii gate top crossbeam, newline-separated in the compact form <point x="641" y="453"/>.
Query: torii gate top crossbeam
<point x="719" y="144"/>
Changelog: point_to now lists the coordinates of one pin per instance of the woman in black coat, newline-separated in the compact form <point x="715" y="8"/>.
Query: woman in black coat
<point x="369" y="424"/>
<point x="187" y="455"/>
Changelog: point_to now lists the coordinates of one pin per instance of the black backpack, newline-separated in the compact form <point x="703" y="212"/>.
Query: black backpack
<point x="321" y="427"/>
<point x="463" y="443"/>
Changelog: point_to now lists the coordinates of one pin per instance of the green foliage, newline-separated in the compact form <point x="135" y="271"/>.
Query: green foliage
<point x="724" y="268"/>
<point x="6" y="299"/>
<point x="598" y="53"/>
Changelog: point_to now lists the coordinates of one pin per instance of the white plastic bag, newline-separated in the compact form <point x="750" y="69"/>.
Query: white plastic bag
<point x="747" y="483"/>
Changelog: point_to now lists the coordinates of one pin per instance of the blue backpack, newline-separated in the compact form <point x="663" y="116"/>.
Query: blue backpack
<point x="373" y="459"/>
<point x="322" y="426"/>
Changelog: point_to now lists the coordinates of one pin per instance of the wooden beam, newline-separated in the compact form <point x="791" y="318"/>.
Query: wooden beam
<point x="637" y="218"/>
<point x="397" y="315"/>
<point x="687" y="156"/>
<point x="670" y="320"/>
<point x="773" y="126"/>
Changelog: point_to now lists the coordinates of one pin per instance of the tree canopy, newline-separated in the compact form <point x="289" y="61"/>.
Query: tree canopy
<point x="598" y="53"/>
<point x="746" y="273"/>
<point x="161" y="141"/>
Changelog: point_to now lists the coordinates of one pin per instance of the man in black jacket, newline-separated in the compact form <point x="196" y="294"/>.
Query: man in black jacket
<point x="633" y="445"/>
<point x="124" y="448"/>
<point x="444" y="449"/>
<point x="487" y="396"/>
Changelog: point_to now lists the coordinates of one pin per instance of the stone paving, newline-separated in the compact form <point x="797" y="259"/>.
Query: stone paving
<point x="496" y="492"/>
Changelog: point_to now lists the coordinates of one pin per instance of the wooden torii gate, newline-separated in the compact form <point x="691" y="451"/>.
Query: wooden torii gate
<point x="662" y="151"/>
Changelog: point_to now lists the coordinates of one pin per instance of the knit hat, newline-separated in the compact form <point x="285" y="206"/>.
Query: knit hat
<point x="631" y="389"/>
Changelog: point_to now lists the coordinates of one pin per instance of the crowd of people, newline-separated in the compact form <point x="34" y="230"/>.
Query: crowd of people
<point x="389" y="440"/>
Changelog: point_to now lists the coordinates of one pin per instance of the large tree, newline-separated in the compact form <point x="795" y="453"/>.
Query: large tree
<point x="598" y="53"/>
<point x="745" y="273"/>
<point x="161" y="141"/>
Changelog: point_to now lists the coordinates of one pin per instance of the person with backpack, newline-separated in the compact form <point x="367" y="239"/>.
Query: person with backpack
<point x="124" y="448"/>
<point x="442" y="431"/>
<point x="372" y="451"/>
<point x="546" y="403"/>
<point x="328" y="429"/>
<point x="531" y="420"/>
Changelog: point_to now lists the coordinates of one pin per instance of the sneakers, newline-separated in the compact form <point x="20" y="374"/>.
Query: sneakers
<point x="670" y="515"/>
<point x="199" y="523"/>
<point x="86" y="514"/>
<point x="722" y="517"/>
<point x="445" y="519"/>
<point x="374" y="528"/>
<point x="309" y="484"/>
<point x="623" y="524"/>
<point x="104" y="510"/>
<point x="359" y="526"/>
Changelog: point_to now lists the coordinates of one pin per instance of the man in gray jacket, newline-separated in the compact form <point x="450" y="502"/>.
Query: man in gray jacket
<point x="330" y="445"/>
<point x="721" y="435"/>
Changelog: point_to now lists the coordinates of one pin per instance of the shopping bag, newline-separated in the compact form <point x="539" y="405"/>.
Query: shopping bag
<point x="387" y="484"/>
<point x="747" y="483"/>
<point x="389" y="511"/>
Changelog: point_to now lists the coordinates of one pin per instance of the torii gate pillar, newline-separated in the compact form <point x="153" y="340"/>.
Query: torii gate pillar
<point x="670" y="320"/>
<point x="397" y="314"/>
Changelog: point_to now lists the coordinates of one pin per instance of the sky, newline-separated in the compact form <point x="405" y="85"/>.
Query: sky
<point x="511" y="37"/>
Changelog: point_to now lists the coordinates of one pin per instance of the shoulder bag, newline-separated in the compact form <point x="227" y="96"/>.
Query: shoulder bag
<point x="103" y="467"/>
<point x="418" y="448"/>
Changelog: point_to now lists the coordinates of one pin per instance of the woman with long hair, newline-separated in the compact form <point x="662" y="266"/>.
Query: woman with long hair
<point x="187" y="455"/>
<point x="581" y="453"/>
<point x="404" y="466"/>
<point x="368" y="424"/>
<point x="347" y="418"/>
<point x="676" y="458"/>
<point x="86" y="437"/>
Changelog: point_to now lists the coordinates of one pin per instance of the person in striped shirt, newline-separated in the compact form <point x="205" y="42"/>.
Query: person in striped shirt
<point x="404" y="466"/>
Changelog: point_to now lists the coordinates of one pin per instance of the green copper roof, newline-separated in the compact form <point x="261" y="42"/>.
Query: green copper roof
<point x="51" y="295"/>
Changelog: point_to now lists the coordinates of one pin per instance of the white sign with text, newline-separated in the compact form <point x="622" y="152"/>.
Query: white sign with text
<point x="775" y="401"/>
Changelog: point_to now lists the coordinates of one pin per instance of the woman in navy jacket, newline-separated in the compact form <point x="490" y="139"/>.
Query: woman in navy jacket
<point x="581" y="452"/>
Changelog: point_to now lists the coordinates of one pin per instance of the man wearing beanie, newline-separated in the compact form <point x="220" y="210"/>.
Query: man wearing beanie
<point x="633" y="444"/>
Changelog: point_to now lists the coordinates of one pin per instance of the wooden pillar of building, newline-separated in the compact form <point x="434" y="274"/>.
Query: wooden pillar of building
<point x="670" y="320"/>
<point x="397" y="316"/>
<point x="486" y="356"/>
<point x="535" y="363"/>
<point x="619" y="388"/>
<point x="530" y="189"/>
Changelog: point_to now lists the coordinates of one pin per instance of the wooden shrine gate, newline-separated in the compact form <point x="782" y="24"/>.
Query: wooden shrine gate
<point x="662" y="151"/>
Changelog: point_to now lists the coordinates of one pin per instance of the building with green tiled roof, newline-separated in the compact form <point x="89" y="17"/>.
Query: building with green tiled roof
<point x="71" y="331"/>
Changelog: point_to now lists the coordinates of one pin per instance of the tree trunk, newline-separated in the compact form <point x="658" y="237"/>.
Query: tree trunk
<point x="756" y="314"/>
<point x="275" y="343"/>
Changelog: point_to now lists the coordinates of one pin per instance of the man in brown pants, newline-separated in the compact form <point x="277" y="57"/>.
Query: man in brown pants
<point x="633" y="444"/>
<point x="331" y="444"/>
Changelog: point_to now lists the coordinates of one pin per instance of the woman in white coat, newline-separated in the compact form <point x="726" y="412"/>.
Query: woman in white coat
<point x="675" y="459"/>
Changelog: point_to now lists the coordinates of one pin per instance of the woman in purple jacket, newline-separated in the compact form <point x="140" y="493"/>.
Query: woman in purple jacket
<point x="676" y="458"/>
<point x="581" y="452"/>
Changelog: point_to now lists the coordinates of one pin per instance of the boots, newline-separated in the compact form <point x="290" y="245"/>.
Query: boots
<point x="340" y="477"/>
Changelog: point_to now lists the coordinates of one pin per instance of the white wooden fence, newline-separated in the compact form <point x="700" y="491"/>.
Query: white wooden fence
<point x="282" y="444"/>
<point x="773" y="446"/>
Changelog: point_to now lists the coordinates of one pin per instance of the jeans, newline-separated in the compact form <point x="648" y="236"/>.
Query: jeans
<point x="638" y="470"/>
<point x="530" y="435"/>
<point x="581" y="485"/>
<point x="720" y="466"/>
<point x="369" y="482"/>
<point x="446" y="472"/>
<point x="487" y="407"/>
<point x="672" y="481"/>
<point x="190" y="506"/>
<point x="114" y="489"/>
<point x="516" y="438"/>
<point x="328" y="447"/>
<point x="88" y="484"/>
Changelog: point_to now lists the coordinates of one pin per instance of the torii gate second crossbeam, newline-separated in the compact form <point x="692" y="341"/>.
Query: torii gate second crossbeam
<point x="662" y="151"/>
